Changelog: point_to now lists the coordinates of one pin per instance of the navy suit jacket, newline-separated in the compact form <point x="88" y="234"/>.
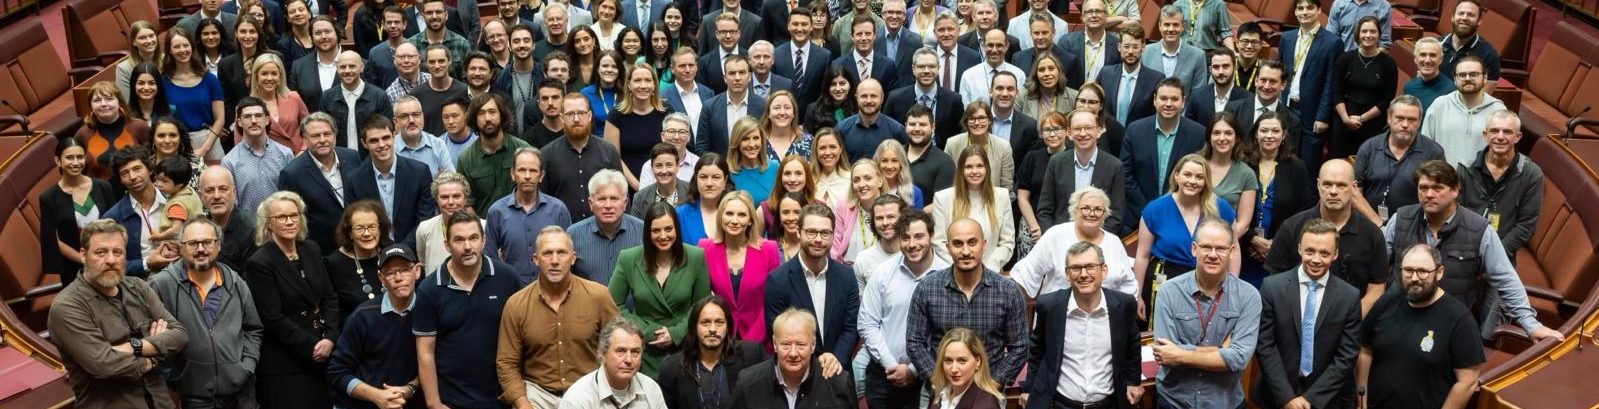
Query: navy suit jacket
<point x="777" y="82"/>
<point x="808" y="87"/>
<point x="1049" y="347"/>
<point x="1317" y="71"/>
<point x="774" y="21"/>
<point x="412" y="184"/>
<point x="1243" y="111"/>
<point x="630" y="13"/>
<point x="1072" y="65"/>
<point x="786" y="288"/>
<point x="883" y="68"/>
<point x="713" y="129"/>
<point x="1072" y="43"/>
<point x="674" y="102"/>
<point x="1335" y="343"/>
<point x="1143" y="103"/>
<point x="1202" y="103"/>
<point x="749" y="25"/>
<point x="1139" y="158"/>
<point x="946" y="115"/>
<point x="974" y="40"/>
<point x="710" y="69"/>
<point x="373" y="100"/>
<point x="905" y="46"/>
<point x="323" y="206"/>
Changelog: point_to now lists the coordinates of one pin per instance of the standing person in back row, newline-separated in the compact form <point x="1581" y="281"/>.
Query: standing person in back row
<point x="1309" y="53"/>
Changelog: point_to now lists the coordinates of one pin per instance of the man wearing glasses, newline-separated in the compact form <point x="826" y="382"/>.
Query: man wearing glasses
<point x="196" y="291"/>
<point x="1094" y="46"/>
<point x="1086" y="166"/>
<point x="1206" y="323"/>
<point x="1101" y="366"/>
<point x="1418" y="348"/>
<point x="374" y="362"/>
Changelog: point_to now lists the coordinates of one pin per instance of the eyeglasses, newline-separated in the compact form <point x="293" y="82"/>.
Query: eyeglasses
<point x="1081" y="101"/>
<point x="816" y="234"/>
<point x="287" y="217"/>
<point x="674" y="132"/>
<point x="978" y="119"/>
<point x="1468" y="75"/>
<point x="1091" y="211"/>
<point x="791" y="346"/>
<point x="1210" y="249"/>
<point x="1083" y="268"/>
<point x="1417" y="272"/>
<point x="364" y="228"/>
<point x="393" y="271"/>
<point x="1083" y="129"/>
<point x="197" y="244"/>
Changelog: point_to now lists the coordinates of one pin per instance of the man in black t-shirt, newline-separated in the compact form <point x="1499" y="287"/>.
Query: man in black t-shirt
<point x="1419" y="349"/>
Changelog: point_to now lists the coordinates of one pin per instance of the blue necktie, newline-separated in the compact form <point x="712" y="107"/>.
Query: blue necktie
<point x="1307" y="329"/>
<point x="1124" y="99"/>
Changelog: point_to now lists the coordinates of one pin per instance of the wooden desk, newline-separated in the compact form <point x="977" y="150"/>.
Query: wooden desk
<point x="80" y="91"/>
<point x="1404" y="27"/>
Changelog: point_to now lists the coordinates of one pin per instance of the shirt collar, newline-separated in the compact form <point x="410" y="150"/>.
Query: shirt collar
<point x="388" y="305"/>
<point x="1071" y="304"/>
<point x="815" y="274"/>
<point x="1305" y="278"/>
<point x="1262" y="104"/>
<point x="778" y="369"/>
<point x="1007" y="119"/>
<point x="360" y="87"/>
<point x="387" y="173"/>
<point x="1093" y="159"/>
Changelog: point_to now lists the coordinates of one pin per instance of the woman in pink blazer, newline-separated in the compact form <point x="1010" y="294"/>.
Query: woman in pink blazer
<point x="737" y="260"/>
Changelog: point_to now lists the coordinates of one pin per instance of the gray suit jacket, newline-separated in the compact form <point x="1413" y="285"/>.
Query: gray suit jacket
<point x="1060" y="181"/>
<point x="1073" y="43"/>
<point x="1191" y="66"/>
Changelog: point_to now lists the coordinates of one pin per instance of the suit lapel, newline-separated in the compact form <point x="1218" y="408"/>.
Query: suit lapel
<point x="300" y="286"/>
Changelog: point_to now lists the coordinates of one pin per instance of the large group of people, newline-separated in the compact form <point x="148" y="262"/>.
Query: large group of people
<point x="782" y="204"/>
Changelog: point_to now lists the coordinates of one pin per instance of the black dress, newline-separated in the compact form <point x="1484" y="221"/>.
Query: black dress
<point x="354" y="283"/>
<point x="638" y="134"/>
<point x="298" y="308"/>
<point x="1360" y="83"/>
<point x="58" y="221"/>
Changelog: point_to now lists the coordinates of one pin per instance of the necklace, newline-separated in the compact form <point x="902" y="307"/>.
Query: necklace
<point x="1366" y="62"/>
<point x="360" y="273"/>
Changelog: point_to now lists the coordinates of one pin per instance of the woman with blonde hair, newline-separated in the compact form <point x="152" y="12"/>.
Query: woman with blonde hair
<point x="106" y="129"/>
<point x="144" y="46"/>
<point x="268" y="82"/>
<point x="852" y="224"/>
<point x="832" y="166"/>
<point x="738" y="260"/>
<point x="893" y="164"/>
<point x="753" y="173"/>
<point x="298" y="307"/>
<point x="780" y="122"/>
<point x="978" y="121"/>
<point x="975" y="196"/>
<point x="1166" y="231"/>
<point x="643" y="115"/>
<point x="963" y="364"/>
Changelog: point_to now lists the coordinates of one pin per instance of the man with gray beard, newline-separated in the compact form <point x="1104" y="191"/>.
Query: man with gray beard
<point x="217" y="370"/>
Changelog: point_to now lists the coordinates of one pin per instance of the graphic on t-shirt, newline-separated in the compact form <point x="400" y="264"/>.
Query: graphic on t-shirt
<point x="1426" y="343"/>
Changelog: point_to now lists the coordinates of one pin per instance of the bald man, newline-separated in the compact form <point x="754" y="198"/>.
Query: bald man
<point x="217" y="194"/>
<point x="1362" y="255"/>
<point x="353" y="100"/>
<point x="968" y="295"/>
<point x="868" y="128"/>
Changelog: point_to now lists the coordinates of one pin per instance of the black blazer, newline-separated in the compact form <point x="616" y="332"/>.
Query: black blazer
<point x="322" y="206"/>
<point x="786" y="287"/>
<point x="373" y="100"/>
<point x="946" y="115"/>
<point x="774" y="22"/>
<point x="1060" y="181"/>
<point x="905" y="46"/>
<point x="1074" y="43"/>
<point x="713" y="129"/>
<point x="682" y="390"/>
<point x="1023" y="134"/>
<point x="413" y="201"/>
<point x="710" y="69"/>
<point x="57" y="221"/>
<point x="1139" y="156"/>
<point x="758" y="389"/>
<point x="1143" y="103"/>
<point x="1244" y="111"/>
<point x="749" y="25"/>
<point x="807" y="88"/>
<point x="883" y="68"/>
<point x="1330" y="384"/>
<point x="1202" y="102"/>
<point x="1295" y="192"/>
<point x="306" y="80"/>
<point x="289" y="296"/>
<point x="1049" y="339"/>
<point x="973" y="399"/>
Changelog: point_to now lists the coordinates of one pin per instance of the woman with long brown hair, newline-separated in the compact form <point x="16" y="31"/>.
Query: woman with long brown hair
<point x="975" y="196"/>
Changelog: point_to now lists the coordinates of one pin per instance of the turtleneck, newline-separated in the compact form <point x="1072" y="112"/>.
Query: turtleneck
<point x="113" y="129"/>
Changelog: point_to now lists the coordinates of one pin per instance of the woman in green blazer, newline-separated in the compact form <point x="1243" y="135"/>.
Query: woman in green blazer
<point x="664" y="278"/>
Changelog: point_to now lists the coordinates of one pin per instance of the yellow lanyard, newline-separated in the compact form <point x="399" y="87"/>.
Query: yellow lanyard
<point x="1303" y="48"/>
<point x="1248" y="83"/>
<point x="1110" y="9"/>
<point x="1193" y="19"/>
<point x="1096" y="54"/>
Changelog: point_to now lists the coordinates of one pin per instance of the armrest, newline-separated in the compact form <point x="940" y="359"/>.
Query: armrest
<point x="1426" y="22"/>
<point x="109" y="57"/>
<point x="6" y="121"/>
<point x="1546" y="294"/>
<point x="43" y="290"/>
<point x="82" y="74"/>
<point x="1516" y="76"/>
<point x="1510" y="338"/>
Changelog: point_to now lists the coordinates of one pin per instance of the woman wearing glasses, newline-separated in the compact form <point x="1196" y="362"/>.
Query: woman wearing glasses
<point x="1042" y="270"/>
<point x="1002" y="162"/>
<point x="353" y="269"/>
<point x="298" y="307"/>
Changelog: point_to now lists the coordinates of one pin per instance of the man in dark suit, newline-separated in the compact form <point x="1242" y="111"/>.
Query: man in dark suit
<point x="353" y="92"/>
<point x="1267" y="97"/>
<point x="1041" y="27"/>
<point x="789" y="287"/>
<point x="1095" y="45"/>
<point x="683" y="86"/>
<point x="208" y="9"/>
<point x="1107" y="370"/>
<point x="717" y="115"/>
<point x="1008" y="122"/>
<point x="1326" y="321"/>
<point x="877" y="64"/>
<point x="323" y="176"/>
<point x="774" y="20"/>
<point x="801" y="60"/>
<point x="405" y="199"/>
<point x="1146" y="168"/>
<point x="1060" y="179"/>
<point x="747" y="24"/>
<point x="794" y="342"/>
<point x="953" y="58"/>
<point x="762" y="81"/>
<point x="945" y="104"/>
<point x="640" y="14"/>
<point x="894" y="40"/>
<point x="1205" y="101"/>
<point x="1308" y="53"/>
<point x="985" y="16"/>
<point x="304" y="76"/>
<point x="727" y="45"/>
<point x="1130" y="75"/>
<point x="708" y="343"/>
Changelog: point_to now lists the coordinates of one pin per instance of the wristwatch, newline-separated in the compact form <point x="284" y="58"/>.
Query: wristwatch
<point x="413" y="389"/>
<point x="1360" y="390"/>
<point x="138" y="346"/>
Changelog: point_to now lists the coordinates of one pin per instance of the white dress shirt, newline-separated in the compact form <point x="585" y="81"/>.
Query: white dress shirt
<point x="1043" y="270"/>
<point x="691" y="105"/>
<point x="1321" y="292"/>
<point x="350" y="121"/>
<point x="816" y="282"/>
<point x="1085" y="367"/>
<point x="976" y="81"/>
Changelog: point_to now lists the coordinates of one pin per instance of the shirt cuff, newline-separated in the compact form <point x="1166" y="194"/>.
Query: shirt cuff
<point x="349" y="388"/>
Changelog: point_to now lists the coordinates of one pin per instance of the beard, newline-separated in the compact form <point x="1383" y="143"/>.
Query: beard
<point x="107" y="279"/>
<point x="200" y="266"/>
<point x="1416" y="294"/>
<point x="578" y="131"/>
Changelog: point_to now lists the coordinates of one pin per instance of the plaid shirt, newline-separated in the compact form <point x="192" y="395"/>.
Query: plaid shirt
<point x="455" y="44"/>
<point x="995" y="312"/>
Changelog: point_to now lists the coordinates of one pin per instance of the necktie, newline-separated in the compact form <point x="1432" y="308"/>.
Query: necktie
<point x="1124" y="99"/>
<point x="949" y="81"/>
<point x="644" y="14"/>
<point x="926" y="101"/>
<point x="866" y="70"/>
<point x="1260" y="111"/>
<point x="762" y="89"/>
<point x="1307" y="329"/>
<point x="799" y="63"/>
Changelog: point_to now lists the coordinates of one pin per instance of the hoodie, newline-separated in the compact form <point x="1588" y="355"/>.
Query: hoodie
<point x="1457" y="127"/>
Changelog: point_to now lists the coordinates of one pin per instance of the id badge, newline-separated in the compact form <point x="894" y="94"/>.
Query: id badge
<point x="1493" y="220"/>
<point x="1382" y="212"/>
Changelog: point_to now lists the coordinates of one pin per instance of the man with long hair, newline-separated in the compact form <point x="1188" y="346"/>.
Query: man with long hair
<point x="703" y="374"/>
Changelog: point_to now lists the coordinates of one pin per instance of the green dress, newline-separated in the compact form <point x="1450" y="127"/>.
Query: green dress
<point x="656" y="305"/>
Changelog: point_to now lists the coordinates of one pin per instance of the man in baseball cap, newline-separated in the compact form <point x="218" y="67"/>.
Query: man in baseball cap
<point x="374" y="362"/>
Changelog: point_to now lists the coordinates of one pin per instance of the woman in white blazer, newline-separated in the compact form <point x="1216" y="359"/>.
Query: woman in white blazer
<point x="975" y="196"/>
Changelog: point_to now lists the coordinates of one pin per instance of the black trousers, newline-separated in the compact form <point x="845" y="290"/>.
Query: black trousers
<point x="880" y="394"/>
